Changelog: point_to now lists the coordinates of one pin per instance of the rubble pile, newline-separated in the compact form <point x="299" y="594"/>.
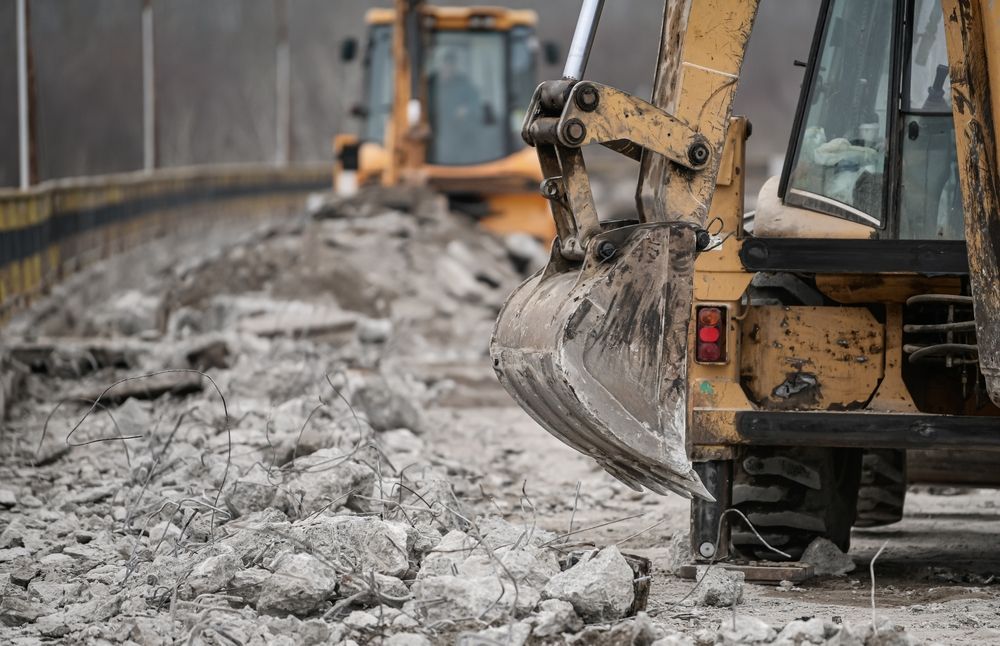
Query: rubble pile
<point x="253" y="470"/>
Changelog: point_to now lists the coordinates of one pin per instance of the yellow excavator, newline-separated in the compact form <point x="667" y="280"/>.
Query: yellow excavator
<point x="782" y="363"/>
<point x="445" y="90"/>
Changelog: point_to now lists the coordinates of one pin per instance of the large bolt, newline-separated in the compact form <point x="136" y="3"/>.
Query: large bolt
<point x="550" y="189"/>
<point x="698" y="153"/>
<point x="707" y="550"/>
<point x="587" y="98"/>
<point x="606" y="250"/>
<point x="574" y="132"/>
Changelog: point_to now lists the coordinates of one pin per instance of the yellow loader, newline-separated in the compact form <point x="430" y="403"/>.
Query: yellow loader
<point x="444" y="96"/>
<point x="781" y="363"/>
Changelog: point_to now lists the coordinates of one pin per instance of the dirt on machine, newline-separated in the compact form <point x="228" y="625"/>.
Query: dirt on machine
<point x="804" y="363"/>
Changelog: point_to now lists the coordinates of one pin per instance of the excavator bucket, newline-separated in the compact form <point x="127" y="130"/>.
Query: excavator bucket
<point x="596" y="354"/>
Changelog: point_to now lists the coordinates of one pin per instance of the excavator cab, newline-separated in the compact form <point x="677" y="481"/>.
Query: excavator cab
<point x="480" y="72"/>
<point x="799" y="365"/>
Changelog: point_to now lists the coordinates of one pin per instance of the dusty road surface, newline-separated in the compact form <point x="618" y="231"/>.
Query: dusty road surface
<point x="329" y="459"/>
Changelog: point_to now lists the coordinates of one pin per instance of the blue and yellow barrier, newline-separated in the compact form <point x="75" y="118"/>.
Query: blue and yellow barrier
<point x="58" y="227"/>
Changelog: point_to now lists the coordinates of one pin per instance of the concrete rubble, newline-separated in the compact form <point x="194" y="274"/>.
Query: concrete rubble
<point x="280" y="488"/>
<point x="827" y="559"/>
<point x="718" y="587"/>
<point x="599" y="587"/>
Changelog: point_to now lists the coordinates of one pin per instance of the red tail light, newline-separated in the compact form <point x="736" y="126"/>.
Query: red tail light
<point x="710" y="346"/>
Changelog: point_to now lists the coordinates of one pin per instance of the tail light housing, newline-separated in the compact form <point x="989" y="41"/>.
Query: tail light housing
<point x="710" y="334"/>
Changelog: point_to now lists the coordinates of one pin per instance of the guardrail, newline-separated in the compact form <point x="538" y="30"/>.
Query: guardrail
<point x="54" y="229"/>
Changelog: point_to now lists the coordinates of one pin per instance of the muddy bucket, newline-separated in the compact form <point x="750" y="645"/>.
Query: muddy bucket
<point x="596" y="353"/>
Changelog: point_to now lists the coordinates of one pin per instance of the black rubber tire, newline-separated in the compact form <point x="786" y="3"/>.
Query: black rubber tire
<point x="883" y="488"/>
<point x="793" y="496"/>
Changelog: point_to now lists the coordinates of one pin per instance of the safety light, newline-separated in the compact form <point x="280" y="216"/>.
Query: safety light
<point x="711" y="334"/>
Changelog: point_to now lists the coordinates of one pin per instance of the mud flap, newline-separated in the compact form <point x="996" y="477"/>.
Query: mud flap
<point x="596" y="353"/>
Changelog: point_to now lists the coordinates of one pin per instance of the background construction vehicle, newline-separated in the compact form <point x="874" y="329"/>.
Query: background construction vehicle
<point x="795" y="355"/>
<point x="445" y="90"/>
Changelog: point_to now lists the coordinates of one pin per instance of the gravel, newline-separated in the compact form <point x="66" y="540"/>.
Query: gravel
<point x="308" y="506"/>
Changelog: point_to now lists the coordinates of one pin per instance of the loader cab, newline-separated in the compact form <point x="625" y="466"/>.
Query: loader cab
<point x="479" y="69"/>
<point x="873" y="140"/>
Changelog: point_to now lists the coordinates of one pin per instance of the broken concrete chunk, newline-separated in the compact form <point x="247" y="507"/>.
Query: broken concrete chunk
<point x="385" y="407"/>
<point x="368" y="544"/>
<point x="151" y="631"/>
<point x="599" y="587"/>
<point x="744" y="629"/>
<point x="718" y="587"/>
<point x="886" y="633"/>
<point x="253" y="492"/>
<point x="678" y="552"/>
<point x="805" y="631"/>
<point x="533" y="567"/>
<point x="488" y="598"/>
<point x="407" y="639"/>
<point x="328" y="480"/>
<point x="7" y="498"/>
<point x="300" y="585"/>
<point x="827" y="559"/>
<point x="445" y="558"/>
<point x="497" y="533"/>
<point x="248" y="583"/>
<point x="17" y="611"/>
<point x="361" y="620"/>
<point x="212" y="574"/>
<point x="374" y="330"/>
<point x="554" y="618"/>
<point x="375" y="588"/>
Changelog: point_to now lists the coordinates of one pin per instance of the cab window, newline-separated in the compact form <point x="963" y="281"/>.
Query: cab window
<point x="930" y="197"/>
<point x="467" y="91"/>
<point x="840" y="160"/>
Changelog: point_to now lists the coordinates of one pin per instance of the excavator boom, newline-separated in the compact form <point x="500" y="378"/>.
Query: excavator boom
<point x="594" y="346"/>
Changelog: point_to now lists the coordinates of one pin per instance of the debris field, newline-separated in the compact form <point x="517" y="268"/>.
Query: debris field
<point x="292" y="435"/>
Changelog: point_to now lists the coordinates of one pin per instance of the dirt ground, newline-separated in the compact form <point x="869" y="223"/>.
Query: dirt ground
<point x="359" y="337"/>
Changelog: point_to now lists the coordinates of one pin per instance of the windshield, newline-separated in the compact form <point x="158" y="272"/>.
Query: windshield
<point x="467" y="97"/>
<point x="840" y="161"/>
<point x="379" y="87"/>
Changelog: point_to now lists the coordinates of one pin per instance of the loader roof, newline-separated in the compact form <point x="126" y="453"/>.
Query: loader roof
<point x="491" y="18"/>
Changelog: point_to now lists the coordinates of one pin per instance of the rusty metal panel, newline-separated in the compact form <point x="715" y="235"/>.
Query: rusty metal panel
<point x="811" y="358"/>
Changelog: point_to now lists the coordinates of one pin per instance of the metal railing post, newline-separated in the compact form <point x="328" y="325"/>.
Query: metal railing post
<point x="23" y="100"/>
<point x="149" y="152"/>
<point x="283" y="84"/>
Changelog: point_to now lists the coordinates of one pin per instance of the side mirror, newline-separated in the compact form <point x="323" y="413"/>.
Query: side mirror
<point x="359" y="111"/>
<point x="551" y="52"/>
<point x="348" y="50"/>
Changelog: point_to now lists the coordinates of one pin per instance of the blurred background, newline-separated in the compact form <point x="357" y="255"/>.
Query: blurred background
<point x="215" y="68"/>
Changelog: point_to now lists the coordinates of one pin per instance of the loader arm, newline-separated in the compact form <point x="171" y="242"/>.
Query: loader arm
<point x="594" y="346"/>
<point x="972" y="29"/>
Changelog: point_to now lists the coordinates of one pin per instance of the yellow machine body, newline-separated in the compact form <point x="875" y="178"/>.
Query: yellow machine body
<point x="786" y="363"/>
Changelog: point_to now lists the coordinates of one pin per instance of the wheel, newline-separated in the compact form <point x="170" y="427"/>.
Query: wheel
<point x="883" y="488"/>
<point x="792" y="496"/>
